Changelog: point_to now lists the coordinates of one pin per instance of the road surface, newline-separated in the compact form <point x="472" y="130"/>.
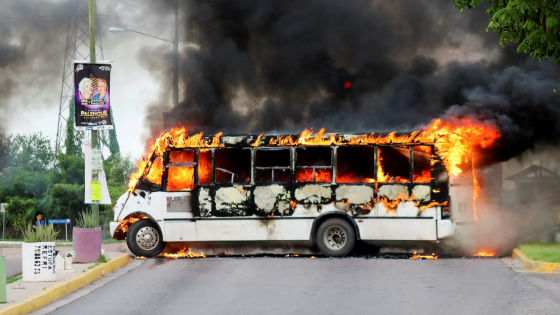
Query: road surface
<point x="322" y="286"/>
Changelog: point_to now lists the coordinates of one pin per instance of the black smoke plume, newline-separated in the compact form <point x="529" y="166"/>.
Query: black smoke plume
<point x="281" y="66"/>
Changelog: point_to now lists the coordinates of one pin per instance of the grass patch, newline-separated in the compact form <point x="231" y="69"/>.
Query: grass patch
<point x="548" y="252"/>
<point x="101" y="260"/>
<point x="11" y="239"/>
<point x="13" y="279"/>
<point x="63" y="245"/>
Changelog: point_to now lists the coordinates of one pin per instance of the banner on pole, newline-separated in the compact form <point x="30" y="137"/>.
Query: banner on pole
<point x="3" y="207"/>
<point x="92" y="99"/>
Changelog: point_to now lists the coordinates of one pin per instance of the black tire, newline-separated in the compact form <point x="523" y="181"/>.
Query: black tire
<point x="144" y="238"/>
<point x="335" y="237"/>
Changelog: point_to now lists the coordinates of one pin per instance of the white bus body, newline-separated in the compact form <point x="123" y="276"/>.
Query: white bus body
<point x="296" y="210"/>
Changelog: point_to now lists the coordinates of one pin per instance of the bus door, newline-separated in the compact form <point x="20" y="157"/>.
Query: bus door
<point x="273" y="170"/>
<point x="461" y="196"/>
<point x="179" y="182"/>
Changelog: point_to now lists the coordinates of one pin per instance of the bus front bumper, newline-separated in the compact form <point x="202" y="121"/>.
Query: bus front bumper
<point x="445" y="228"/>
<point x="113" y="227"/>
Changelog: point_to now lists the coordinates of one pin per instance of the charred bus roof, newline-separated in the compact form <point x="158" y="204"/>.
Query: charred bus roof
<point x="319" y="139"/>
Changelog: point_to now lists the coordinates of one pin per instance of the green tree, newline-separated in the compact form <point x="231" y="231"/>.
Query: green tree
<point x="71" y="169"/>
<point x="114" y="147"/>
<point x="30" y="152"/>
<point x="118" y="169"/>
<point x="531" y="24"/>
<point x="72" y="141"/>
<point x="5" y="141"/>
<point x="20" y="212"/>
<point x="67" y="200"/>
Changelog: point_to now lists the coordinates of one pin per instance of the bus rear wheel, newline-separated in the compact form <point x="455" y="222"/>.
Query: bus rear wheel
<point x="144" y="239"/>
<point x="335" y="237"/>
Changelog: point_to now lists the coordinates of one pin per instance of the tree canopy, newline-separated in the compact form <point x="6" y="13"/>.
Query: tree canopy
<point x="31" y="183"/>
<point x="531" y="24"/>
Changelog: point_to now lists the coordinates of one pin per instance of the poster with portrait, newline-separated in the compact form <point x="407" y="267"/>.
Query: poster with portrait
<point x="92" y="96"/>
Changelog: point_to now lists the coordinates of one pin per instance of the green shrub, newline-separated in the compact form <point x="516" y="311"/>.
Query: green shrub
<point x="41" y="234"/>
<point x="87" y="219"/>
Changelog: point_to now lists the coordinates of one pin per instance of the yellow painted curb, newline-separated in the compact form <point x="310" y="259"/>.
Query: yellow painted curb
<point x="535" y="266"/>
<point x="59" y="290"/>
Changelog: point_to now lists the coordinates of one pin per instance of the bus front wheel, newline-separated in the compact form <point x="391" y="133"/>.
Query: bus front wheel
<point x="335" y="237"/>
<point x="144" y="239"/>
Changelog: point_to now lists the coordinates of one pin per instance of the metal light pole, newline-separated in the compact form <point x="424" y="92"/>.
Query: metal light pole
<point x="94" y="142"/>
<point x="176" y="57"/>
<point x="175" y="43"/>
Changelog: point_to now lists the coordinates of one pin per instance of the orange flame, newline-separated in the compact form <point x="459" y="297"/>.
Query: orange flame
<point x="125" y="224"/>
<point x="183" y="253"/>
<point x="258" y="141"/>
<point x="305" y="175"/>
<point x="454" y="140"/>
<point x="485" y="254"/>
<point x="176" y="138"/>
<point x="416" y="256"/>
<point x="424" y="177"/>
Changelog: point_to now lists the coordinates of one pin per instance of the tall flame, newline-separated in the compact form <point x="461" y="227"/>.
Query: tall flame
<point x="454" y="140"/>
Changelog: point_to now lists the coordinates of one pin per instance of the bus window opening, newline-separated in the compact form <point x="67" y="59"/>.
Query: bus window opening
<point x="393" y="164"/>
<point x="313" y="164"/>
<point x="421" y="166"/>
<point x="272" y="165"/>
<point x="355" y="165"/>
<point x="180" y="174"/>
<point x="204" y="167"/>
<point x="152" y="180"/>
<point x="233" y="166"/>
<point x="156" y="171"/>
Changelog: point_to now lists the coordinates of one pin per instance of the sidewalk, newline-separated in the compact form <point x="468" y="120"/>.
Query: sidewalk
<point x="13" y="255"/>
<point x="24" y="297"/>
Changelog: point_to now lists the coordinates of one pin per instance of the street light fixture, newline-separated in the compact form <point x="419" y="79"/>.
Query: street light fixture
<point x="175" y="43"/>
<point x="116" y="29"/>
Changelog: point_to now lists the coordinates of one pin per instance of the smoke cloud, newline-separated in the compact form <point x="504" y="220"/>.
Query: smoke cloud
<point x="31" y="57"/>
<point x="277" y="66"/>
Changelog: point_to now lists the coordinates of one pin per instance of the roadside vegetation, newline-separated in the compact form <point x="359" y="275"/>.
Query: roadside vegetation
<point x="101" y="260"/>
<point x="32" y="182"/>
<point x="547" y="252"/>
<point x="13" y="279"/>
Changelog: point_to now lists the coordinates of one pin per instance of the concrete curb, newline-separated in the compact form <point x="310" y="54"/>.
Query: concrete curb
<point x="6" y="244"/>
<point x="535" y="266"/>
<point x="59" y="290"/>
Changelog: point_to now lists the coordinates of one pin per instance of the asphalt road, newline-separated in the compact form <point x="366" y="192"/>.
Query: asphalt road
<point x="322" y="286"/>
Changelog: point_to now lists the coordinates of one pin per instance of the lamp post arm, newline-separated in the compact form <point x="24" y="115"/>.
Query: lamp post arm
<point x="165" y="40"/>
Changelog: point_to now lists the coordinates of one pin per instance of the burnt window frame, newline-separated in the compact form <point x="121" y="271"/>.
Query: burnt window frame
<point x="254" y="167"/>
<point x="145" y="184"/>
<point x="332" y="166"/>
<point x="167" y="164"/>
<point x="374" y="161"/>
<point x="231" y="183"/>
<point x="410" y="163"/>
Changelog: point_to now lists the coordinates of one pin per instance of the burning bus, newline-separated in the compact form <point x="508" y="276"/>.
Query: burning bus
<point x="332" y="189"/>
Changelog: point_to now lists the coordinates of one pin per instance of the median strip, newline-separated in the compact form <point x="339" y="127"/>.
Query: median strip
<point x="535" y="266"/>
<point x="61" y="289"/>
